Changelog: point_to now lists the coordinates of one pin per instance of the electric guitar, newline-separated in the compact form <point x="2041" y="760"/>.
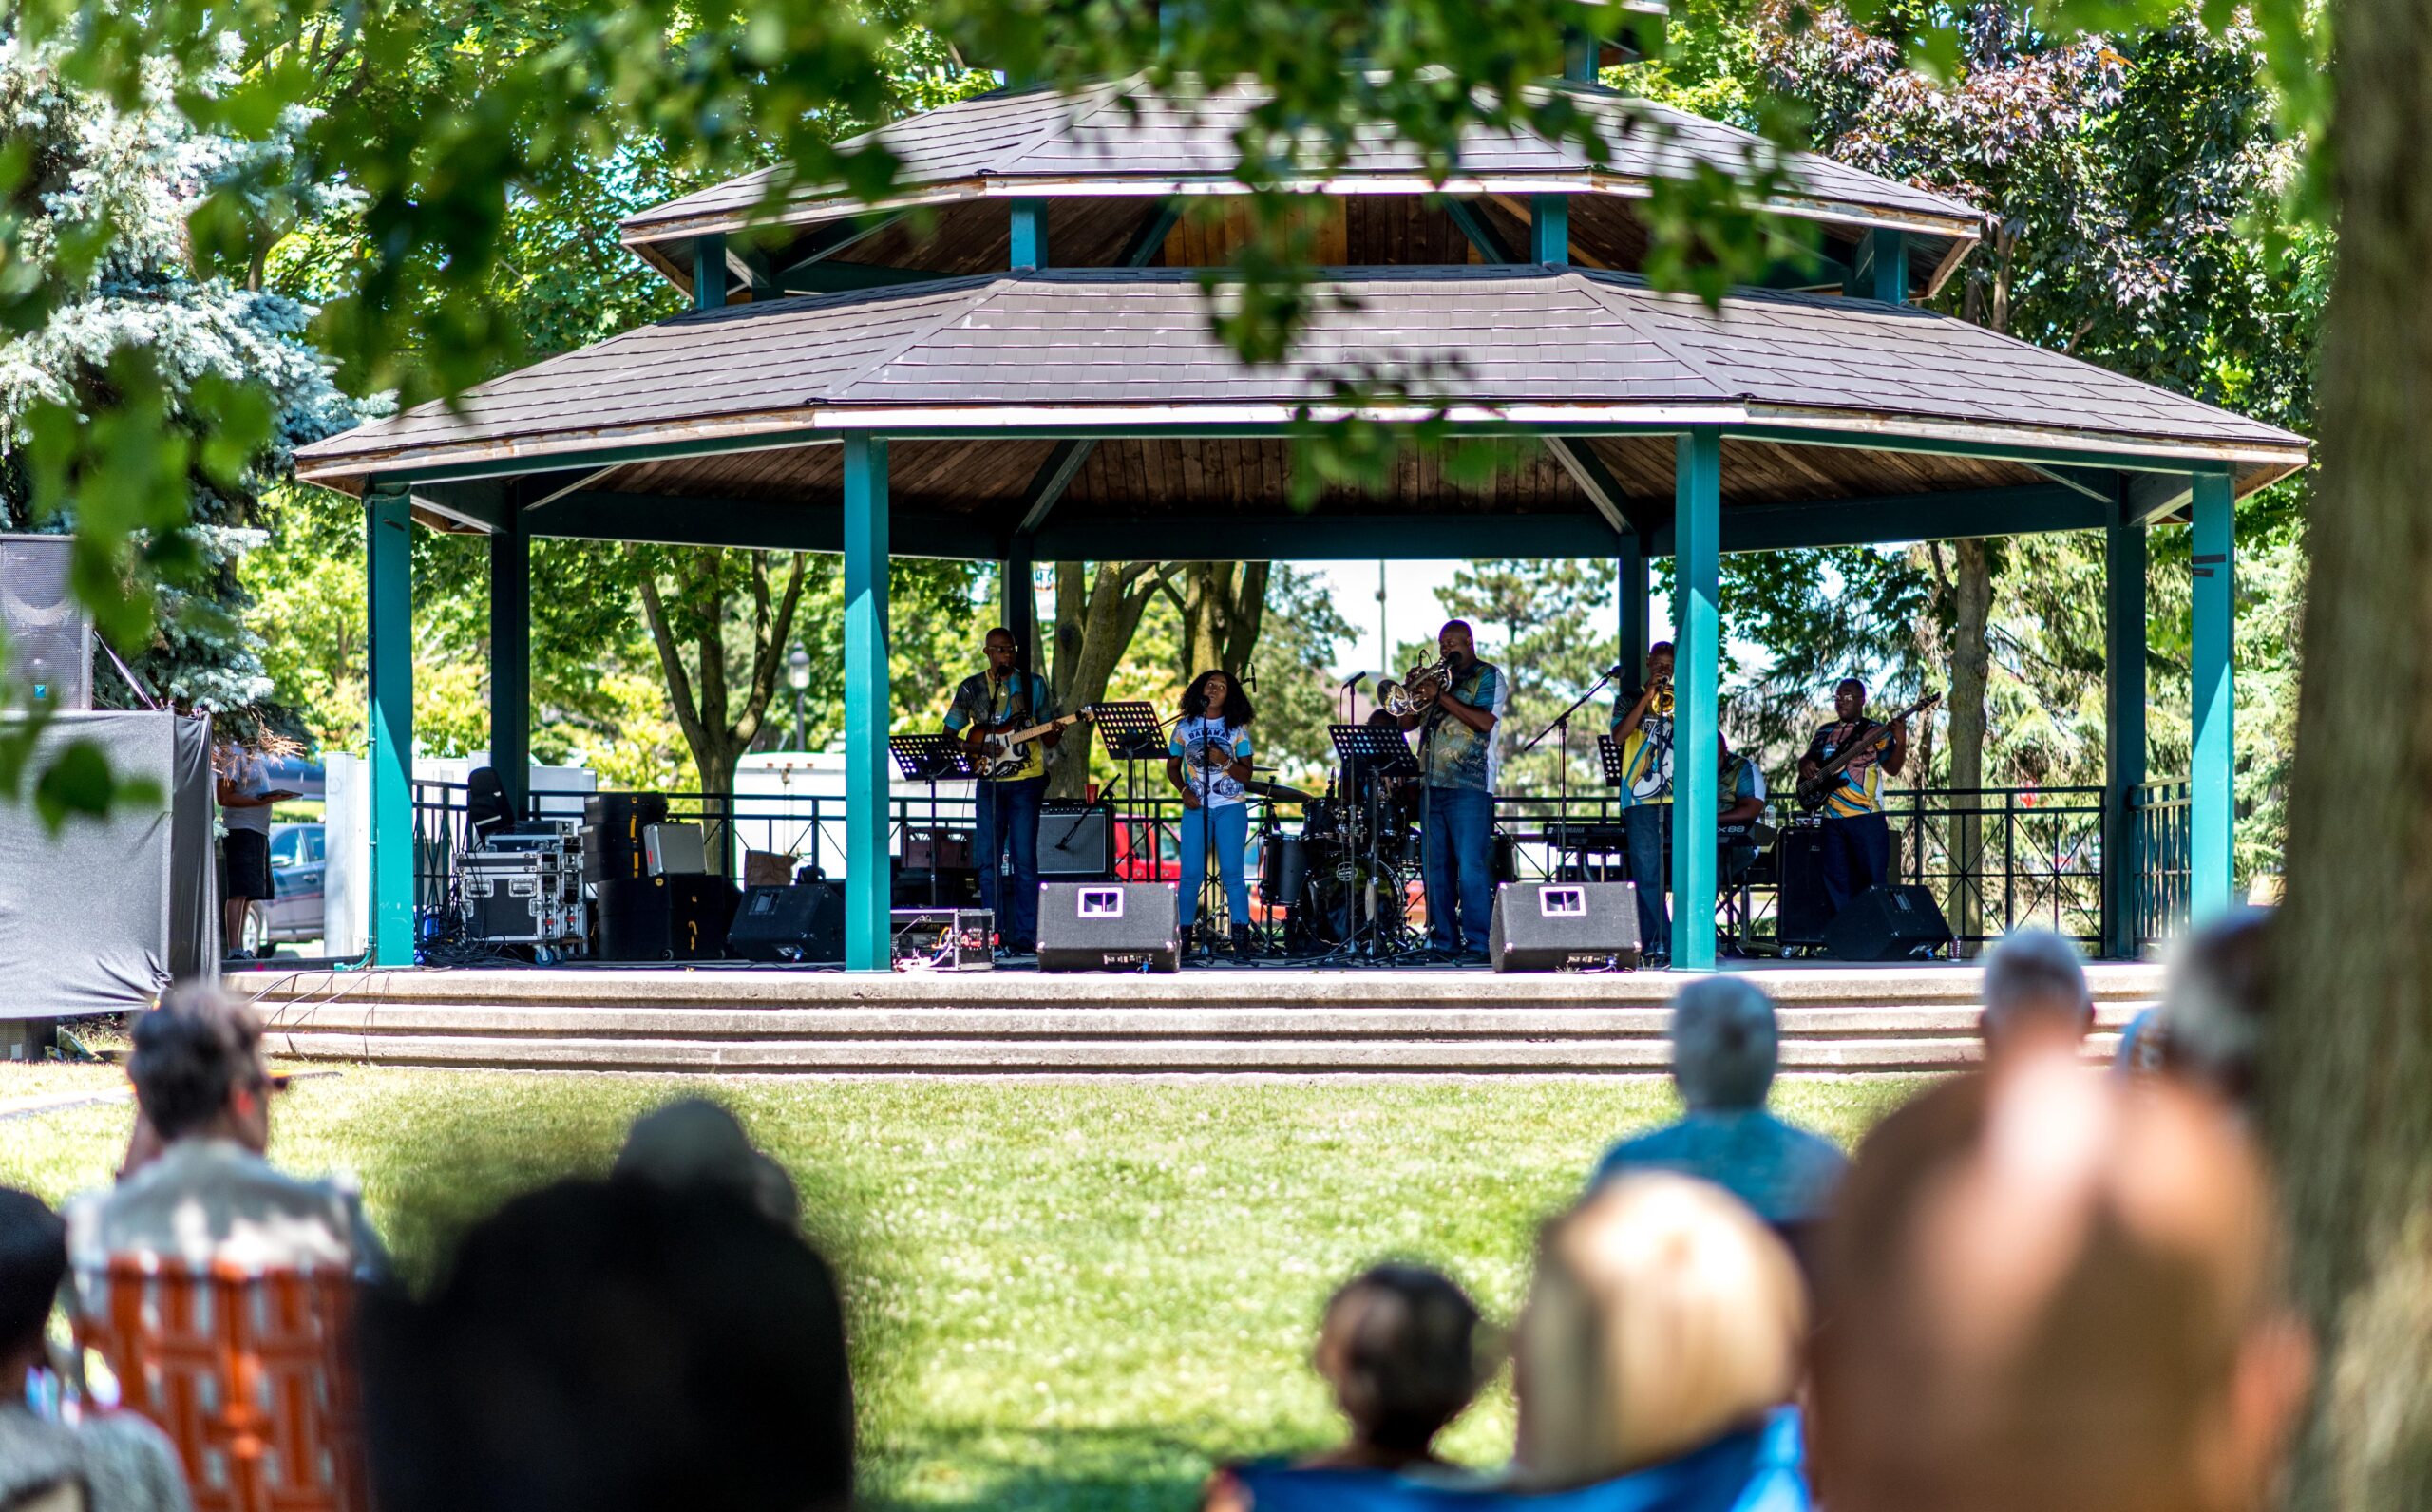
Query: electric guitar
<point x="1815" y="791"/>
<point x="1007" y="751"/>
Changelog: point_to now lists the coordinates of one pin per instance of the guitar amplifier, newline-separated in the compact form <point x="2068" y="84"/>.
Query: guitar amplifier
<point x="944" y="940"/>
<point x="938" y="848"/>
<point x="1107" y="927"/>
<point x="1562" y="927"/>
<point x="1075" y="839"/>
<point x="1801" y="910"/>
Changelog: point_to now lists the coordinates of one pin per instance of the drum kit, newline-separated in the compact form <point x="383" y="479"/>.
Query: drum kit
<point x="1342" y="879"/>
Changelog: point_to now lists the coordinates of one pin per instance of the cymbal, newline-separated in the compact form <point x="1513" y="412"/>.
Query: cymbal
<point x="1278" y="793"/>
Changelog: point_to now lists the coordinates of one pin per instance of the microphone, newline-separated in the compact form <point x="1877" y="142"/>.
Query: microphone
<point x="1357" y="678"/>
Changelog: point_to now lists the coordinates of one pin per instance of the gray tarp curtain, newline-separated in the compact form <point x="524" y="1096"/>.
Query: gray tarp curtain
<point x="101" y="917"/>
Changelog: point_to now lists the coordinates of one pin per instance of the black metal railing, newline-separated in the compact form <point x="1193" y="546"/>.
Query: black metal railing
<point x="2161" y="840"/>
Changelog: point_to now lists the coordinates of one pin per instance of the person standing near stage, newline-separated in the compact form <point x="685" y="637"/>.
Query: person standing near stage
<point x="1457" y="760"/>
<point x="1000" y="699"/>
<point x="1643" y="729"/>
<point x="245" y="795"/>
<point x="1207" y="761"/>
<point x="1857" y="839"/>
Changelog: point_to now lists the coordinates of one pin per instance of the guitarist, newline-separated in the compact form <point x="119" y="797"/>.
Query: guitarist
<point x="1857" y="839"/>
<point x="1002" y="698"/>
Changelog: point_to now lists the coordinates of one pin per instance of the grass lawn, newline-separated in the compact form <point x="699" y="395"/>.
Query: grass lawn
<point x="1068" y="1295"/>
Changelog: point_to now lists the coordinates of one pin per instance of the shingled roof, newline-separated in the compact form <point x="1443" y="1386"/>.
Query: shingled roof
<point x="1551" y="347"/>
<point x="1121" y="137"/>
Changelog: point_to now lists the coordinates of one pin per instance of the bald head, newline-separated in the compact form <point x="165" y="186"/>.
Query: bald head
<point x="2035" y="993"/>
<point x="2049" y="1291"/>
<point x="1725" y="1044"/>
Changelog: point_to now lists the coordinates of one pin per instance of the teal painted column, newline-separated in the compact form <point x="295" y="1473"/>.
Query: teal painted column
<point x="1579" y="49"/>
<point x="709" y="271"/>
<point x="868" y="864"/>
<point x="1879" y="268"/>
<point x="2123" y="725"/>
<point x="1633" y="606"/>
<point x="1019" y="600"/>
<point x="2213" y="760"/>
<point x="1696" y="572"/>
<point x="388" y="643"/>
<point x="1550" y="229"/>
<point x="1028" y="234"/>
<point x="511" y="661"/>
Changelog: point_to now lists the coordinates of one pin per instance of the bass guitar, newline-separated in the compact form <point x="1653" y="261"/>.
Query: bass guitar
<point x="1813" y="791"/>
<point x="1006" y="751"/>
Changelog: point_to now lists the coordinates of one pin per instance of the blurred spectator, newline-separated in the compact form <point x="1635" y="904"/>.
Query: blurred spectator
<point x="116" y="1460"/>
<point x="2213" y="1008"/>
<point x="2050" y="1292"/>
<point x="615" y="1346"/>
<point x="1663" y="1328"/>
<point x="1725" y="1046"/>
<point x="696" y="1141"/>
<point x="208" y="1193"/>
<point x="2036" y="995"/>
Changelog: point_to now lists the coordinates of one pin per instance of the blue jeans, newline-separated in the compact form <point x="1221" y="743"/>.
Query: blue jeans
<point x="1646" y="831"/>
<point x="1459" y="863"/>
<point x="1008" y="856"/>
<point x="1857" y="854"/>
<point x="1229" y="825"/>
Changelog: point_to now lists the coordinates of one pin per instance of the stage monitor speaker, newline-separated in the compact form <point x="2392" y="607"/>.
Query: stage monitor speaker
<point x="1563" y="926"/>
<point x="1075" y="839"/>
<point x="1889" y="923"/>
<point x="1801" y="909"/>
<point x="664" y="918"/>
<point x="50" y="633"/>
<point x="1107" y="927"/>
<point x="803" y="923"/>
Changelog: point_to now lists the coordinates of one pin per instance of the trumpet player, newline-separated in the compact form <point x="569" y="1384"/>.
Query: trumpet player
<point x="1459" y="702"/>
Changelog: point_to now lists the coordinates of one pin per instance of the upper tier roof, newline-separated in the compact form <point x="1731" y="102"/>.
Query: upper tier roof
<point x="1120" y="137"/>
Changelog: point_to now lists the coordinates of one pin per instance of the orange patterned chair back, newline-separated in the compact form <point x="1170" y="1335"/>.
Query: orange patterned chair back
<point x="250" y="1373"/>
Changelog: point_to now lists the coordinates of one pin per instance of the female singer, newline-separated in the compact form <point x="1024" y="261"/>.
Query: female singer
<point x="1207" y="761"/>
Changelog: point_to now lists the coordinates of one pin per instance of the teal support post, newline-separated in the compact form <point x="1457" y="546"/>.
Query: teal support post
<point x="1550" y="229"/>
<point x="511" y="660"/>
<point x="389" y="640"/>
<point x="1020" y="601"/>
<point x="1697" y="571"/>
<point x="709" y="271"/>
<point x="2123" y="726"/>
<point x="1633" y="564"/>
<point x="1579" y="50"/>
<point x="1879" y="268"/>
<point x="868" y="865"/>
<point x="1028" y="234"/>
<point x="2213" y="760"/>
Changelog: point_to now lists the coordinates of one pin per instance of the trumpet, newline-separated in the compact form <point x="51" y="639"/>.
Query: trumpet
<point x="1402" y="700"/>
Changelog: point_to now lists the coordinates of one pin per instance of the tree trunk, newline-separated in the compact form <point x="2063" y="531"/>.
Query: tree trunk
<point x="2349" y="1056"/>
<point x="1222" y="606"/>
<point x="1097" y="610"/>
<point x="1971" y="589"/>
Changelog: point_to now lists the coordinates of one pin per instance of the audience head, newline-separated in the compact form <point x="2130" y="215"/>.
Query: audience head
<point x="1725" y="1045"/>
<point x="694" y="1142"/>
<point x="2035" y="993"/>
<point x="1662" y="1314"/>
<point x="2051" y="1291"/>
<point x="1400" y="1347"/>
<point x="2214" y="1005"/>
<point x="198" y="1067"/>
<point x="615" y="1346"/>
<point x="33" y="1260"/>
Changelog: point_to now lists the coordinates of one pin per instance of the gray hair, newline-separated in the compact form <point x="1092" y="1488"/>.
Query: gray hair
<point x="2214" y="1002"/>
<point x="2034" y="971"/>
<point x="198" y="1048"/>
<point x="1725" y="1044"/>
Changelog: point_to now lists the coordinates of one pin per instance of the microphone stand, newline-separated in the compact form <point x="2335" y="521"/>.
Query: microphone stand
<point x="1561" y="723"/>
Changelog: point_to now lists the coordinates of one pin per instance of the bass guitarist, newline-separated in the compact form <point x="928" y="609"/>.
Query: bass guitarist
<point x="1005" y="697"/>
<point x="1857" y="839"/>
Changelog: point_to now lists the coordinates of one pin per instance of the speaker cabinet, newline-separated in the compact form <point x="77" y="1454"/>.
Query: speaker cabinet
<point x="1075" y="839"/>
<point x="1107" y="927"/>
<point x="1563" y="926"/>
<point x="612" y="833"/>
<point x="803" y="923"/>
<point x="1888" y="924"/>
<point x="1802" y="910"/>
<point x="50" y="633"/>
<point x="664" y="918"/>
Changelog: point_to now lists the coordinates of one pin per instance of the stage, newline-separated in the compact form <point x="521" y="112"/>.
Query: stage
<point x="1252" y="1020"/>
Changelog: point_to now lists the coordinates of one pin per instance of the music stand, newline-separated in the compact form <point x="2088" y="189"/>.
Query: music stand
<point x="932" y="759"/>
<point x="1378" y="752"/>
<point x="1133" y="735"/>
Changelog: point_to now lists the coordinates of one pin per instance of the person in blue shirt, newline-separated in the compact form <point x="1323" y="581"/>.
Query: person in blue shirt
<point x="1209" y="762"/>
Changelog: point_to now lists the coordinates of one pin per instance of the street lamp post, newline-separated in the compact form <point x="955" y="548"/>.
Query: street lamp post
<point x="798" y="678"/>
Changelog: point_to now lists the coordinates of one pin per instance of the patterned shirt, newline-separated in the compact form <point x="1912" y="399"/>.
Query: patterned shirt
<point x="1859" y="790"/>
<point x="982" y="700"/>
<point x="1784" y="1174"/>
<point x="1646" y="751"/>
<point x="1206" y="747"/>
<point x="122" y="1463"/>
<point x="1451" y="753"/>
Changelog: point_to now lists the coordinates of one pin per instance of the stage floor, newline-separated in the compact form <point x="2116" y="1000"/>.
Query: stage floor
<point x="1255" y="1019"/>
